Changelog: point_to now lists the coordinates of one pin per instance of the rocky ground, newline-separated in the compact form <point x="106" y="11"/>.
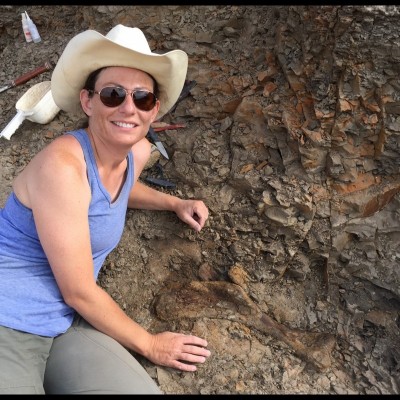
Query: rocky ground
<point x="291" y="137"/>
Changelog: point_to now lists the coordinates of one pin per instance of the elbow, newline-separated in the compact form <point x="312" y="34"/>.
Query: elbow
<point x="75" y="298"/>
<point x="71" y="300"/>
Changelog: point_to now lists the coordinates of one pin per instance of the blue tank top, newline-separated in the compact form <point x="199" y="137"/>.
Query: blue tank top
<point x="30" y="299"/>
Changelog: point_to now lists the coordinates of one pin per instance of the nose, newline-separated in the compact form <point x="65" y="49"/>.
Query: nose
<point x="128" y="104"/>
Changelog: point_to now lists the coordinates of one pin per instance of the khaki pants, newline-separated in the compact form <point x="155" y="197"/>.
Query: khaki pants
<point x="80" y="361"/>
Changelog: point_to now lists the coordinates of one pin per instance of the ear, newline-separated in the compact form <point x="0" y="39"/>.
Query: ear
<point x="86" y="102"/>
<point x="155" y="110"/>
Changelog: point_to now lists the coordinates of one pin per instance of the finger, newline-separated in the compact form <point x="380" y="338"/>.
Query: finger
<point x="194" y="354"/>
<point x="192" y="359"/>
<point x="193" y="223"/>
<point x="198" y="218"/>
<point x="185" y="367"/>
<point x="196" y="351"/>
<point x="201" y="221"/>
<point x="201" y="211"/>
<point x="194" y="340"/>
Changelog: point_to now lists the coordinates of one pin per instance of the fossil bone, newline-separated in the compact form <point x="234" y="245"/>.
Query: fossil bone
<point x="224" y="300"/>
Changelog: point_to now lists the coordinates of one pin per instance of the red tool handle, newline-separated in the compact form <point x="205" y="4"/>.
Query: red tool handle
<point x="29" y="75"/>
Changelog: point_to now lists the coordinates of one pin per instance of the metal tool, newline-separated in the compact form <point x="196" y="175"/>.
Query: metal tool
<point x="159" y="179"/>
<point x="161" y="126"/>
<point x="26" y="77"/>
<point x="153" y="137"/>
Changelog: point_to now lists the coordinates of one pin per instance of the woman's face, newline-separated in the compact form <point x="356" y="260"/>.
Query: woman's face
<point x="125" y="123"/>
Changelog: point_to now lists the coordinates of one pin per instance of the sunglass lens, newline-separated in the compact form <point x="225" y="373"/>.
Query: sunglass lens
<point x="145" y="101"/>
<point x="112" y="96"/>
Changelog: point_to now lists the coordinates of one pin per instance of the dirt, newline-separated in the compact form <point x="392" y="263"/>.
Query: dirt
<point x="272" y="327"/>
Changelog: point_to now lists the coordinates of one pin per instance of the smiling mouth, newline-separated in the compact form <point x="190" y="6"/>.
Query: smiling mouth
<point x="124" y="125"/>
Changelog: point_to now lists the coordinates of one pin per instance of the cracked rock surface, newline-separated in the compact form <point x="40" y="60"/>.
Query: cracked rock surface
<point x="291" y="136"/>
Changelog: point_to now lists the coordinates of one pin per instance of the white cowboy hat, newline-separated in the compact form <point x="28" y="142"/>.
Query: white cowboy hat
<point x="123" y="47"/>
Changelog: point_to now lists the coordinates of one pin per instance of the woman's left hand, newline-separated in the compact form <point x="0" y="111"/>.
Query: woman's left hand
<point x="192" y="212"/>
<point x="177" y="350"/>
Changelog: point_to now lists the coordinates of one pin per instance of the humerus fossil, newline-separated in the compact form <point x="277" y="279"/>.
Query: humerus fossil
<point x="224" y="300"/>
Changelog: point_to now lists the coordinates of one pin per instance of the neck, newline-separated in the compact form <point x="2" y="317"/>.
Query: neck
<point x="107" y="156"/>
<point x="111" y="169"/>
<point x="93" y="142"/>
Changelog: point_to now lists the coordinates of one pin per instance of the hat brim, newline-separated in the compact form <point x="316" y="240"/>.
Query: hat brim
<point x="90" y="50"/>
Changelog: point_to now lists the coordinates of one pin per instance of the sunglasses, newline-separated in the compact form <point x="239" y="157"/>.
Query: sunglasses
<point x="114" y="96"/>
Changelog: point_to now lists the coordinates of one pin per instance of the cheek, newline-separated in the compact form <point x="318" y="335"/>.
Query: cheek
<point x="148" y="116"/>
<point x="98" y="111"/>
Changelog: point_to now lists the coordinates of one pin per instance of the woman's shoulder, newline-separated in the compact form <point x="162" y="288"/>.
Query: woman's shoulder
<point x="63" y="152"/>
<point x="64" y="144"/>
<point x="59" y="164"/>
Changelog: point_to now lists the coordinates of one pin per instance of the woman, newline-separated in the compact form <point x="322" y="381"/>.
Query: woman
<point x="59" y="331"/>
